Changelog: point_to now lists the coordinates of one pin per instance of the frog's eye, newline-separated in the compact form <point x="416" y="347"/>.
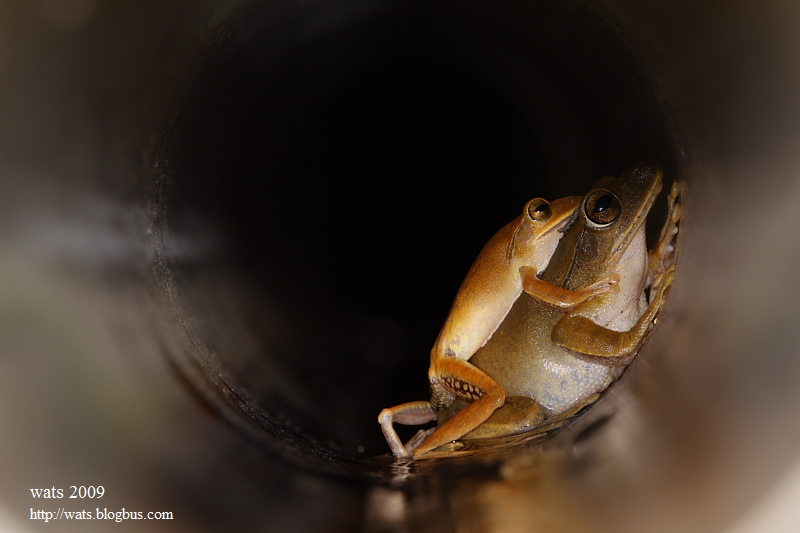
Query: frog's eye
<point x="539" y="210"/>
<point x="602" y="208"/>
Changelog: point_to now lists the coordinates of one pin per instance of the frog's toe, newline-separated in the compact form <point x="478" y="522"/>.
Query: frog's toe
<point x="416" y="440"/>
<point x="666" y="281"/>
<point x="677" y="215"/>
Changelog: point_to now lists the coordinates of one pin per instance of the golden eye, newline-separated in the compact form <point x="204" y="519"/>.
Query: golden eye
<point x="539" y="210"/>
<point x="602" y="207"/>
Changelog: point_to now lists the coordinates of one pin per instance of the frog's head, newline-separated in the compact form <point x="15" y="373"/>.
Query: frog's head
<point x="494" y="282"/>
<point x="537" y="231"/>
<point x="609" y="217"/>
<point x="613" y="212"/>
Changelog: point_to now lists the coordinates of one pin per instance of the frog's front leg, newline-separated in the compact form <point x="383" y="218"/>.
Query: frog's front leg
<point x="666" y="250"/>
<point x="562" y="298"/>
<point x="596" y="343"/>
<point x="451" y="376"/>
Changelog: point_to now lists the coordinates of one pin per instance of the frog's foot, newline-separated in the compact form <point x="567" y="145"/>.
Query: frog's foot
<point x="416" y="440"/>
<point x="446" y="450"/>
<point x="666" y="251"/>
<point x="661" y="285"/>
<point x="411" y="413"/>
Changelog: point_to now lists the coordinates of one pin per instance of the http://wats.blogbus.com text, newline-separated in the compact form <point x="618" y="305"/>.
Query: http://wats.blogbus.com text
<point x="83" y="493"/>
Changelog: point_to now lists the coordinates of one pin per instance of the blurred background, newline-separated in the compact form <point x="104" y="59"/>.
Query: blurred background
<point x="230" y="232"/>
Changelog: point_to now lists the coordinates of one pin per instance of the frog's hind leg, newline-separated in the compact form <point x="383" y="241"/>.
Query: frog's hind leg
<point x="519" y="414"/>
<point x="449" y="377"/>
<point x="524" y="417"/>
<point x="411" y="413"/>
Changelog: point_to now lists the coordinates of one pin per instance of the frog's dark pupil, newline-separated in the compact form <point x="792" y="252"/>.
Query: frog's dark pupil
<point x="603" y="203"/>
<point x="602" y="207"/>
<point x="540" y="208"/>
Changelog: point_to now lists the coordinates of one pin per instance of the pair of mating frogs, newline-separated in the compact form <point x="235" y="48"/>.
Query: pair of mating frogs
<point x="557" y="304"/>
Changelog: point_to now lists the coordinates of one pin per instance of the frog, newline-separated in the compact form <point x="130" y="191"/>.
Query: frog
<point x="552" y="358"/>
<point x="507" y="264"/>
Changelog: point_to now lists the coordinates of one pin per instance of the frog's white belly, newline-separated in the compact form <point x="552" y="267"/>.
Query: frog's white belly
<point x="557" y="378"/>
<point x="522" y="358"/>
<point x="554" y="377"/>
<point x="560" y="380"/>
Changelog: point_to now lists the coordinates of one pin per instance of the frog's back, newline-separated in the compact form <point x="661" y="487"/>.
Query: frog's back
<point x="522" y="359"/>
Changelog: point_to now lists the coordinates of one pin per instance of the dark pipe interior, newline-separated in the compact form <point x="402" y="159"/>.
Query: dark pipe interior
<point x="328" y="185"/>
